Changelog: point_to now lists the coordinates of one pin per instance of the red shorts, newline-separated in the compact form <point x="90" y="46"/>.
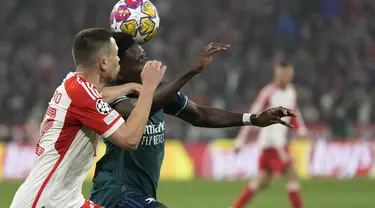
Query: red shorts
<point x="90" y="204"/>
<point x="274" y="159"/>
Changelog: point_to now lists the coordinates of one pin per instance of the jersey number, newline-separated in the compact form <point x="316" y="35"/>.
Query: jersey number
<point x="48" y="121"/>
<point x="57" y="97"/>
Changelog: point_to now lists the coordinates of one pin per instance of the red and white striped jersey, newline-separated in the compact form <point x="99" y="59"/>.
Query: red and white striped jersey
<point x="276" y="135"/>
<point x="66" y="150"/>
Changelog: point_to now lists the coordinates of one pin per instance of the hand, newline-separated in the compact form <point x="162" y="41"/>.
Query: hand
<point x="208" y="53"/>
<point x="272" y="116"/>
<point x="152" y="74"/>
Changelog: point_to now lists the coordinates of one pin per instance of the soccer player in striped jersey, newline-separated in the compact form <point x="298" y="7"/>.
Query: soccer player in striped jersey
<point x="129" y="178"/>
<point x="275" y="157"/>
<point x="75" y="116"/>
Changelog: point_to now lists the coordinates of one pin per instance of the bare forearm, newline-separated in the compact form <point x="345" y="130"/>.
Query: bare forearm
<point x="111" y="93"/>
<point x="216" y="118"/>
<point x="138" y="118"/>
<point x="167" y="91"/>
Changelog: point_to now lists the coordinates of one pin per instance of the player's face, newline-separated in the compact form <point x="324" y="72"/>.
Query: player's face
<point x="135" y="58"/>
<point x="132" y="62"/>
<point x="112" y="66"/>
<point x="284" y="75"/>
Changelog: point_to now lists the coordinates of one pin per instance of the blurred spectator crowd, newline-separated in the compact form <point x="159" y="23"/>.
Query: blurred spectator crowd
<point x="330" y="42"/>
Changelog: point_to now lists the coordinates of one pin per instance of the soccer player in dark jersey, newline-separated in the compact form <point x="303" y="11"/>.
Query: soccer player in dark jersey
<point x="130" y="177"/>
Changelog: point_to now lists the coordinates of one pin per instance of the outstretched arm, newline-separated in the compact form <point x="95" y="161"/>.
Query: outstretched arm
<point x="165" y="93"/>
<point x="204" y="116"/>
<point x="260" y="103"/>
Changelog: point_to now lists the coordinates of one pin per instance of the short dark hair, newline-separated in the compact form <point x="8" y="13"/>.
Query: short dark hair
<point x="123" y="41"/>
<point x="87" y="43"/>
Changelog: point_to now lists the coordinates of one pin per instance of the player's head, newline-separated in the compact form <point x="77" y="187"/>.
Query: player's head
<point x="96" y="48"/>
<point x="284" y="73"/>
<point x="132" y="57"/>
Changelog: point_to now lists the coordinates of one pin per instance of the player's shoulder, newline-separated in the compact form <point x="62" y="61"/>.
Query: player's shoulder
<point x="78" y="88"/>
<point x="292" y="88"/>
<point x="268" y="89"/>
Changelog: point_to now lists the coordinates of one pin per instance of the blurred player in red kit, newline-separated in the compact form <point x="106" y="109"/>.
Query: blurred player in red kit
<point x="274" y="156"/>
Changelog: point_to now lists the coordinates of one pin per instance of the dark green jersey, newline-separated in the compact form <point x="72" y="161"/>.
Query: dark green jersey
<point x="120" y="171"/>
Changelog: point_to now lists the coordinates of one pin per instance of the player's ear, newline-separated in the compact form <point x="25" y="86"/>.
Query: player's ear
<point x="103" y="63"/>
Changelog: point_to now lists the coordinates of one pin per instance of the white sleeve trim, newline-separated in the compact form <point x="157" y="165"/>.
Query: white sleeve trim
<point x="183" y="107"/>
<point x="111" y="130"/>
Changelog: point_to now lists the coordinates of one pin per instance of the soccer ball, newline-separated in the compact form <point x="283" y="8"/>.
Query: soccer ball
<point x="138" y="18"/>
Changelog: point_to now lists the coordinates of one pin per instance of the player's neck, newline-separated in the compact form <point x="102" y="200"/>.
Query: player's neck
<point x="281" y="86"/>
<point x="92" y="77"/>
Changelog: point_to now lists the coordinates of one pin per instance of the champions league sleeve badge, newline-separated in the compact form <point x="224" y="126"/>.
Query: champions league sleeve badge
<point x="103" y="107"/>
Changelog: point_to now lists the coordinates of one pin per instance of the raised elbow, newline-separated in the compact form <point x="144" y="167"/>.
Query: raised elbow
<point x="128" y="140"/>
<point x="130" y="146"/>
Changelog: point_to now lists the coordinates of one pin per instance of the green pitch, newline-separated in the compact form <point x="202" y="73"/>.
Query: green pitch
<point x="358" y="193"/>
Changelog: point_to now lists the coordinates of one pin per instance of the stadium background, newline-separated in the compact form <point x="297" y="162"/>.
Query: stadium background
<point x="330" y="42"/>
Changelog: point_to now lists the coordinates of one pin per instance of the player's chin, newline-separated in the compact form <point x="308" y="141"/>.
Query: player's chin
<point x="113" y="78"/>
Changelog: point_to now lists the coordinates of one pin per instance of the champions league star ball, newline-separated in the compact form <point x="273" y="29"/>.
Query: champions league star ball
<point x="138" y="18"/>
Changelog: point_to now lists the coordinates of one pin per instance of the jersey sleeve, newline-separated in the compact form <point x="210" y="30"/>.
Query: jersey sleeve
<point x="89" y="108"/>
<point x="298" y="122"/>
<point x="175" y="106"/>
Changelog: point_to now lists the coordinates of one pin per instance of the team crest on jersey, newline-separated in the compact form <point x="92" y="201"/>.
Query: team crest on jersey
<point x="149" y="200"/>
<point x="103" y="107"/>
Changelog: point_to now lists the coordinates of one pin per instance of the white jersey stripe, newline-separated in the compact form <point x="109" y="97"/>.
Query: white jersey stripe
<point x="92" y="90"/>
<point x="45" y="182"/>
<point x="92" y="87"/>
<point x="87" y="90"/>
<point x="113" y="128"/>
